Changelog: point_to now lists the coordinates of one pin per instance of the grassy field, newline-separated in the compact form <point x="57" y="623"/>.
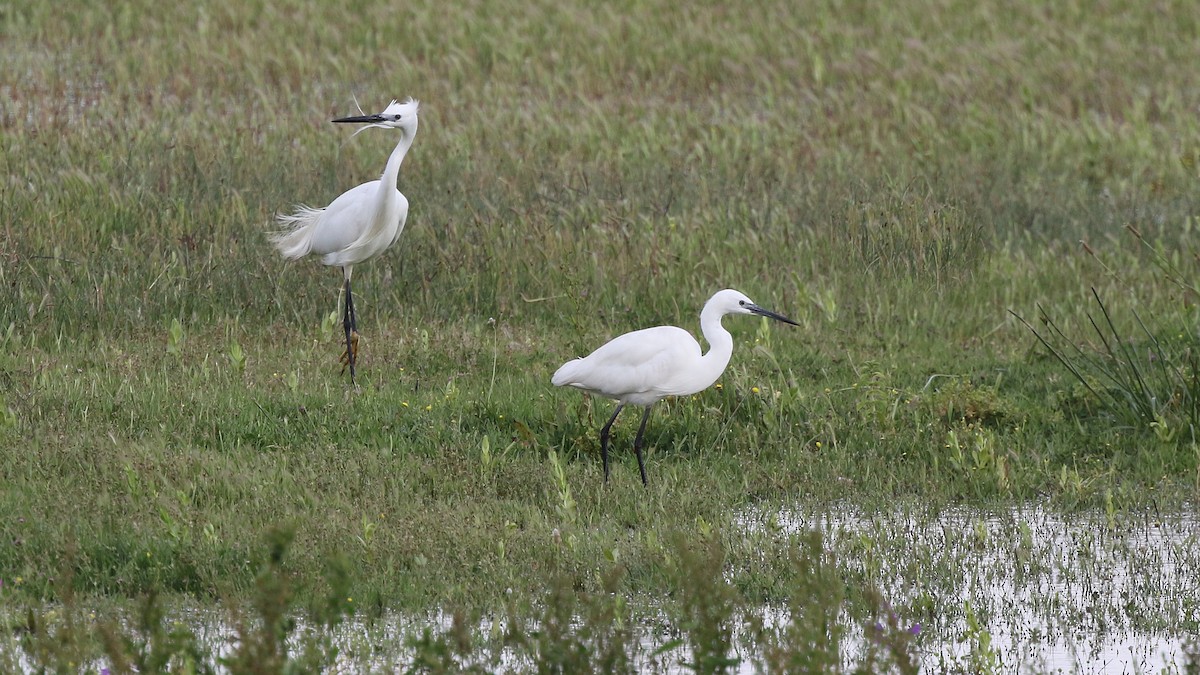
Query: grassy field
<point x="900" y="179"/>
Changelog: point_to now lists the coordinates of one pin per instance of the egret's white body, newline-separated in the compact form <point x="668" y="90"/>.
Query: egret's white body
<point x="357" y="226"/>
<point x="645" y="366"/>
<point x="362" y="222"/>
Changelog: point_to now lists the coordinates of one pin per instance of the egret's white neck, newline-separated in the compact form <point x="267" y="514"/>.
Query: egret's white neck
<point x="391" y="172"/>
<point x="720" y="344"/>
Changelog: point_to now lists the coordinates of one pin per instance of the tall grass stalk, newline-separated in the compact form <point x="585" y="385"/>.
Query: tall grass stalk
<point x="1159" y="389"/>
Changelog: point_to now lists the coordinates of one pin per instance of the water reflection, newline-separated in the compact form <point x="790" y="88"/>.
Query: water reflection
<point x="1013" y="591"/>
<point x="1081" y="593"/>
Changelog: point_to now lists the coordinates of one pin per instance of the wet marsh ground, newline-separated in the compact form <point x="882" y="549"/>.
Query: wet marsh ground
<point x="910" y="183"/>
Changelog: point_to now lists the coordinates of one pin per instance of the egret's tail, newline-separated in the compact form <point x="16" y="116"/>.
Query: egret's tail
<point x="295" y="239"/>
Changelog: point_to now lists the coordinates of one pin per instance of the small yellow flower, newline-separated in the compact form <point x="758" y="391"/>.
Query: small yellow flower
<point x="754" y="389"/>
<point x="429" y="407"/>
<point x="718" y="386"/>
<point x="349" y="599"/>
<point x="404" y="403"/>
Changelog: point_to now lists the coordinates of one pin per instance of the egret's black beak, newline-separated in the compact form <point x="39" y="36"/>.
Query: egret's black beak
<point x="361" y="119"/>
<point x="768" y="313"/>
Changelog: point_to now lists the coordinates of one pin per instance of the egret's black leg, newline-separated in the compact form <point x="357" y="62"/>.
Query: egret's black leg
<point x="351" y="334"/>
<point x="604" y="438"/>
<point x="350" y="304"/>
<point x="637" y="446"/>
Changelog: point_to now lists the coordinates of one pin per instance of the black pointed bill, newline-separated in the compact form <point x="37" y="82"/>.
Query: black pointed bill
<point x="360" y="119"/>
<point x="768" y="313"/>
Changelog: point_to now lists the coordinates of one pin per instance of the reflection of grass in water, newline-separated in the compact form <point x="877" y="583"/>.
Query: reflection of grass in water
<point x="567" y="631"/>
<point x="882" y="592"/>
<point x="1023" y="583"/>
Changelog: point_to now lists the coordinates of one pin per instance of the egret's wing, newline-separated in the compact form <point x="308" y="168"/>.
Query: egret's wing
<point x="345" y="219"/>
<point x="635" y="362"/>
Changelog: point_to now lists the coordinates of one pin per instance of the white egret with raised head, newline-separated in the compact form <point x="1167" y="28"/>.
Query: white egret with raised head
<point x="361" y="223"/>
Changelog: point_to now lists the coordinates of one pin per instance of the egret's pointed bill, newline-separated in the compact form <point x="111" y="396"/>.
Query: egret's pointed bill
<point x="360" y="119"/>
<point x="768" y="313"/>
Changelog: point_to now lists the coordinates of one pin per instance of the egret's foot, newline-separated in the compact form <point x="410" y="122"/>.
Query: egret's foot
<point x="350" y="356"/>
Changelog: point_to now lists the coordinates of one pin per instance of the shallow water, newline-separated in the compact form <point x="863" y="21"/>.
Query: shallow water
<point x="1046" y="593"/>
<point x="1052" y="593"/>
<point x="1080" y="593"/>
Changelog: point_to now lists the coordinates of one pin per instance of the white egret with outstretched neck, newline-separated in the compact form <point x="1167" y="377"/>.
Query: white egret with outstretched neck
<point x="361" y="223"/>
<point x="645" y="366"/>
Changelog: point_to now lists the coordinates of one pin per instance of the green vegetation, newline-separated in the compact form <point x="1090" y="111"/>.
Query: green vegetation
<point x="896" y="178"/>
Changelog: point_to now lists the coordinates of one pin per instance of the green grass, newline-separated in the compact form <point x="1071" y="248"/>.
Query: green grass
<point x="894" y="178"/>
